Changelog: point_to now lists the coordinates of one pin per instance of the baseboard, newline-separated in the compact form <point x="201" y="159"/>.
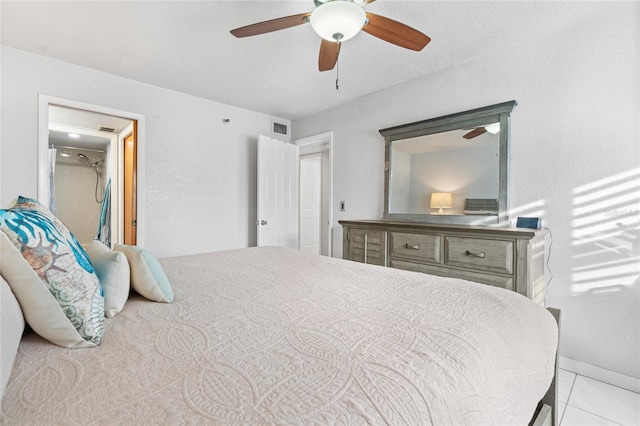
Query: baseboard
<point x="597" y="373"/>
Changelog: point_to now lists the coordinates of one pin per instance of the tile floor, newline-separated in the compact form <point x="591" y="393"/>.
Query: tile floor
<point x="585" y="402"/>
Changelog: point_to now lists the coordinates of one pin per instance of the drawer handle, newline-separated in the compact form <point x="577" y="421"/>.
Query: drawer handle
<point x="472" y="254"/>
<point x="416" y="247"/>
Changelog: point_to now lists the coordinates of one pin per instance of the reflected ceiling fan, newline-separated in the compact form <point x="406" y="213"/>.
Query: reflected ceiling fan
<point x="492" y="128"/>
<point x="337" y="21"/>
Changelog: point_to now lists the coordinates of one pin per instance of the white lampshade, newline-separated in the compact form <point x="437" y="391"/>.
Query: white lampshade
<point x="441" y="200"/>
<point x="338" y="20"/>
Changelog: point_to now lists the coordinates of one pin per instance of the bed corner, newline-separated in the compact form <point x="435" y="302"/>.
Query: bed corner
<point x="547" y="411"/>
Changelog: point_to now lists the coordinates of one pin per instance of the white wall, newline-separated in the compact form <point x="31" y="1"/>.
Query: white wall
<point x="575" y="162"/>
<point x="200" y="173"/>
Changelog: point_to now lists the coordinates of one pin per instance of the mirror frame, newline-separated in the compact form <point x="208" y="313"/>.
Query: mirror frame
<point x="467" y="119"/>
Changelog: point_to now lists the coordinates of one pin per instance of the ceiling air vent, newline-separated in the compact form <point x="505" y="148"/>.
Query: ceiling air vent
<point x="280" y="128"/>
<point x="107" y="129"/>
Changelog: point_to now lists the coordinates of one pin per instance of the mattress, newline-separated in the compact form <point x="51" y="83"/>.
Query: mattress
<point x="274" y="336"/>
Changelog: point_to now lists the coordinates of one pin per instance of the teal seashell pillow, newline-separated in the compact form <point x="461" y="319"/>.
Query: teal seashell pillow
<point x="51" y="276"/>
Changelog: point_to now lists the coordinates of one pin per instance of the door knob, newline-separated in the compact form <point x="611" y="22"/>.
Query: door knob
<point x="261" y="222"/>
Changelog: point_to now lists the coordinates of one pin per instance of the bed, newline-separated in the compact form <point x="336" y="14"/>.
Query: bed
<point x="274" y="336"/>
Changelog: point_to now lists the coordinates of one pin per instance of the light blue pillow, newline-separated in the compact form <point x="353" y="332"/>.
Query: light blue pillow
<point x="51" y="276"/>
<point x="147" y="276"/>
<point x="112" y="270"/>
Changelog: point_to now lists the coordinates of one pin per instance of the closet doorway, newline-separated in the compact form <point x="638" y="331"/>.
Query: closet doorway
<point x="316" y="193"/>
<point x="91" y="173"/>
<point x="310" y="202"/>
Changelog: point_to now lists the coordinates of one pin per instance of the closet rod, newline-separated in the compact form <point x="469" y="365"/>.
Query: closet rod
<point x="77" y="148"/>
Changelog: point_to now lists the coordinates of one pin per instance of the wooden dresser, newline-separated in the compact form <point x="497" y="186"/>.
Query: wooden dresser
<point x="511" y="258"/>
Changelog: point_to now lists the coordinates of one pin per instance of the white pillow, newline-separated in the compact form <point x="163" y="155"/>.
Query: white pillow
<point x="112" y="270"/>
<point x="147" y="276"/>
<point x="12" y="322"/>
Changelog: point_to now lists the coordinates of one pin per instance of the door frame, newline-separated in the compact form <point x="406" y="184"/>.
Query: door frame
<point x="43" y="146"/>
<point x="319" y="141"/>
<point x="130" y="131"/>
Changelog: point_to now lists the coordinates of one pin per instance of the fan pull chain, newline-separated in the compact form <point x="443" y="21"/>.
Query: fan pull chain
<point x="337" y="73"/>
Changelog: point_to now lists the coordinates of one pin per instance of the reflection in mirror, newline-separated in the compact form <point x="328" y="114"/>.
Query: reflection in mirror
<point x="463" y="163"/>
<point x="451" y="169"/>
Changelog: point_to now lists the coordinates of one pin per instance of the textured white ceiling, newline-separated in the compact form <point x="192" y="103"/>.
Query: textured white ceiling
<point x="63" y="120"/>
<point x="186" y="45"/>
<point x="89" y="120"/>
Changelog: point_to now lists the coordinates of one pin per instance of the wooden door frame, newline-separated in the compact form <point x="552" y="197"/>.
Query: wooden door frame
<point x="134" y="217"/>
<point x="43" y="146"/>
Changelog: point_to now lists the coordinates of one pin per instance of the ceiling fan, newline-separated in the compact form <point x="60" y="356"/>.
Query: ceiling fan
<point x="492" y="128"/>
<point x="337" y="21"/>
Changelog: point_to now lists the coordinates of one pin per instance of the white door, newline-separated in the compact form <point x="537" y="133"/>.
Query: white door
<point x="277" y="193"/>
<point x="322" y="144"/>
<point x="310" y="202"/>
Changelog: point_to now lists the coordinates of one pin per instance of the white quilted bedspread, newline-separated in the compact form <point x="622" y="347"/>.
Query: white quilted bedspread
<point x="273" y="336"/>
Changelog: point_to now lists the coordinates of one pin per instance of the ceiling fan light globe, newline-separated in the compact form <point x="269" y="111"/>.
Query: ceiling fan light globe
<point x="493" y="128"/>
<point x="338" y="20"/>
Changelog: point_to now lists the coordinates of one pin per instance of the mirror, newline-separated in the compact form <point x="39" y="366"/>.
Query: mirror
<point x="450" y="169"/>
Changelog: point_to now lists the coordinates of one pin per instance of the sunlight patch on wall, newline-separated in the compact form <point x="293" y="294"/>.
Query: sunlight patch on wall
<point x="605" y="204"/>
<point x="606" y="233"/>
<point x="608" y="181"/>
<point x="623" y="272"/>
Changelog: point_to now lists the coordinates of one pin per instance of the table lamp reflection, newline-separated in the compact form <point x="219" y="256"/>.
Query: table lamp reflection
<point x="441" y="201"/>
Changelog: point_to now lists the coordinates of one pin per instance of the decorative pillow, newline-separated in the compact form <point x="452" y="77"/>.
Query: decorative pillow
<point x="147" y="276"/>
<point x="25" y="203"/>
<point x="112" y="270"/>
<point x="51" y="276"/>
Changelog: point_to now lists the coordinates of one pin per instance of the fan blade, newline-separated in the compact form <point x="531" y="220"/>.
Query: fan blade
<point x="369" y="1"/>
<point x="475" y="132"/>
<point x="329" y="52"/>
<point x="271" y="25"/>
<point x="395" y="32"/>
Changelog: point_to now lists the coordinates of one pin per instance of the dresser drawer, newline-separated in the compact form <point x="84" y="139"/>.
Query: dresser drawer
<point x="420" y="247"/>
<point x="443" y="271"/>
<point x="480" y="254"/>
